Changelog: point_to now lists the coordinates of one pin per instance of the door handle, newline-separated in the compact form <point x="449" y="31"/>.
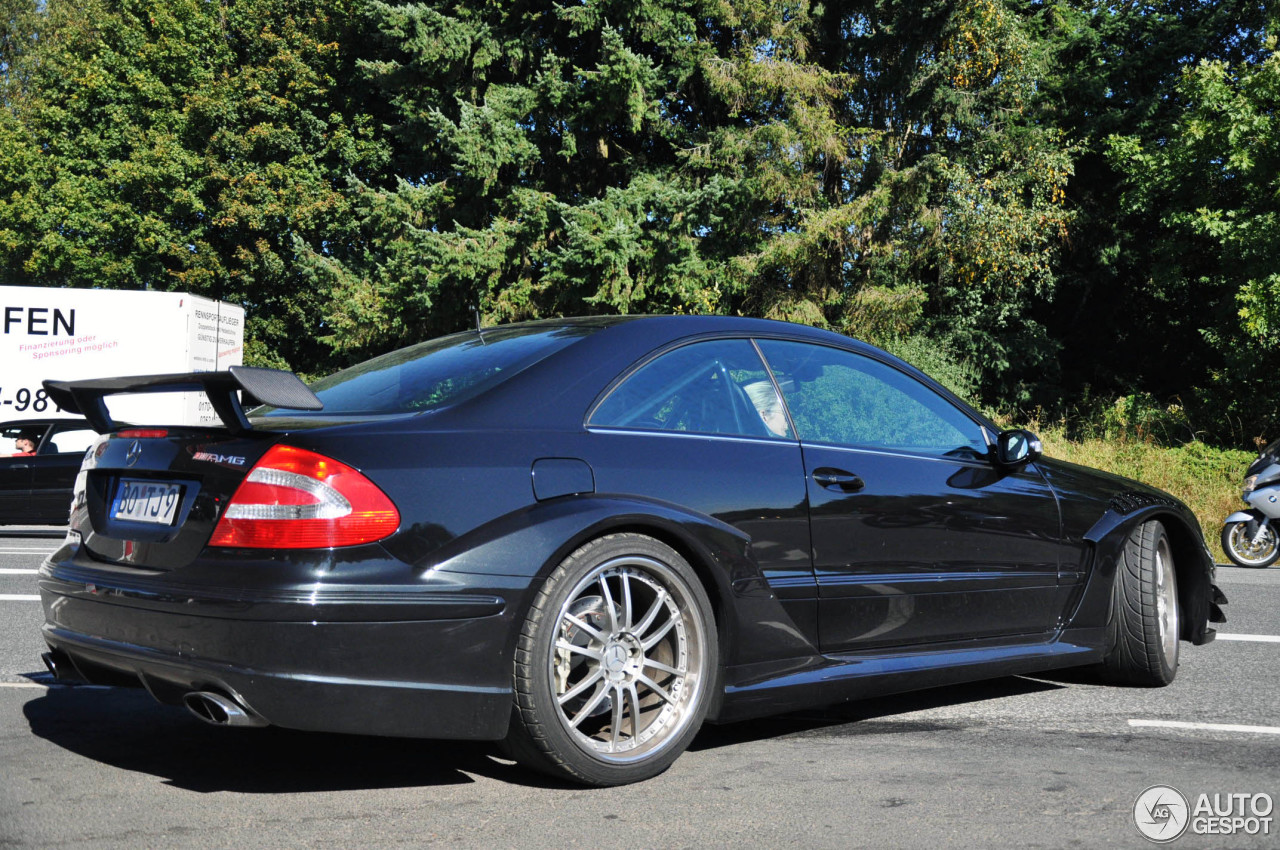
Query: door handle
<point x="837" y="479"/>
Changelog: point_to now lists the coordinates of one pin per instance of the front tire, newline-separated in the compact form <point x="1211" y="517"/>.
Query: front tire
<point x="1145" y="624"/>
<point x="1247" y="548"/>
<point x="615" y="664"/>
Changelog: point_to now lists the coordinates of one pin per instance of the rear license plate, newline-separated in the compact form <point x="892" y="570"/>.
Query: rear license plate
<point x="146" y="501"/>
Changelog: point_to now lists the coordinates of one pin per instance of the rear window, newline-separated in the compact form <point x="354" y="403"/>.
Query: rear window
<point x="434" y="374"/>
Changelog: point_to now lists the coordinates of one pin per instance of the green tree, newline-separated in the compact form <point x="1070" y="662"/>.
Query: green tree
<point x="997" y="189"/>
<point x="551" y="159"/>
<point x="184" y="146"/>
<point x="956" y="181"/>
<point x="873" y="167"/>
<point x="1215" y="180"/>
<point x="1131" y="282"/>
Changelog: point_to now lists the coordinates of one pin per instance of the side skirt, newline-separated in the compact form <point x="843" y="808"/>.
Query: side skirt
<point x="754" y="691"/>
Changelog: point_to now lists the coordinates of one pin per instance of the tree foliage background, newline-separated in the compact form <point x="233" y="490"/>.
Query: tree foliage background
<point x="1049" y="204"/>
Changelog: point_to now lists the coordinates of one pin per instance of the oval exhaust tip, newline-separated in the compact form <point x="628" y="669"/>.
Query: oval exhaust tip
<point x="62" y="667"/>
<point x="51" y="663"/>
<point x="220" y="710"/>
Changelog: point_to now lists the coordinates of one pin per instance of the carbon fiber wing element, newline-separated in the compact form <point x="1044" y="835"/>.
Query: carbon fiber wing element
<point x="228" y="392"/>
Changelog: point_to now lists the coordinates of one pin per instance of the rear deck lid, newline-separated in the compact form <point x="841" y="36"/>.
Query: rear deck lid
<point x="152" y="496"/>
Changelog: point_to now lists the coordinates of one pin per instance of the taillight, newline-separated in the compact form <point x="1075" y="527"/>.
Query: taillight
<point x="298" y="499"/>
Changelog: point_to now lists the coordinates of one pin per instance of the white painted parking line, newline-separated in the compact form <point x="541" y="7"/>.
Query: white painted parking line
<point x="46" y="686"/>
<point x="18" y="572"/>
<point x="1258" y="638"/>
<point x="1207" y="727"/>
<point x="19" y="597"/>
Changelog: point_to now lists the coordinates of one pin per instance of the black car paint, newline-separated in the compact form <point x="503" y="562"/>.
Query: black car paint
<point x="349" y="639"/>
<point x="37" y="489"/>
<point x="931" y="550"/>
<point x="1094" y="539"/>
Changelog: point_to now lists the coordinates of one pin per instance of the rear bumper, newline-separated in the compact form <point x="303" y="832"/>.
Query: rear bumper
<point x="395" y="668"/>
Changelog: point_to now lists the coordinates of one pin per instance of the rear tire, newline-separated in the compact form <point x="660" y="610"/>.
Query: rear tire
<point x="1144" y="628"/>
<point x="615" y="664"/>
<point x="1239" y="545"/>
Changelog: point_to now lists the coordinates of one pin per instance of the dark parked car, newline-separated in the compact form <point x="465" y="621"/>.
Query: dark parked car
<point x="586" y="537"/>
<point x="35" y="489"/>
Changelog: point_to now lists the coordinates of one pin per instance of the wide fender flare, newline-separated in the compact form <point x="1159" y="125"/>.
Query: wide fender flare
<point x="526" y="545"/>
<point x="1193" y="565"/>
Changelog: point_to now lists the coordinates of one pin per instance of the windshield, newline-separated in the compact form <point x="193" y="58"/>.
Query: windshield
<point x="1269" y="456"/>
<point x="433" y="374"/>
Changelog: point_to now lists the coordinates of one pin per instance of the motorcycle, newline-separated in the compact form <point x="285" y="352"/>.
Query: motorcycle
<point x="1250" y="538"/>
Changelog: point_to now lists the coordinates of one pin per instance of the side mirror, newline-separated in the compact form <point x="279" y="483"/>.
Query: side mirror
<point x="1017" y="447"/>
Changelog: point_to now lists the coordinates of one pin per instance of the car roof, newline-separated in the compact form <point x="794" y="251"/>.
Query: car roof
<point x="44" y="422"/>
<point x="556" y="391"/>
<point x="677" y="326"/>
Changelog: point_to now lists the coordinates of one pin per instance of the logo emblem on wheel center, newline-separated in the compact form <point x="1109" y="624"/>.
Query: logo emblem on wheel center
<point x="615" y="658"/>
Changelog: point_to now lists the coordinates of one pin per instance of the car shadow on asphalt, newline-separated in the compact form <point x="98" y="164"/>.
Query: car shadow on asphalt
<point x="875" y="716"/>
<point x="127" y="729"/>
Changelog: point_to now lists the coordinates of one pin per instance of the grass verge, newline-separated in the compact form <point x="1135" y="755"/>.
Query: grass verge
<point x="1207" y="479"/>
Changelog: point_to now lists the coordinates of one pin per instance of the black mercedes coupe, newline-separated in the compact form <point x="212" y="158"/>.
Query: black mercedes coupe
<point x="586" y="537"/>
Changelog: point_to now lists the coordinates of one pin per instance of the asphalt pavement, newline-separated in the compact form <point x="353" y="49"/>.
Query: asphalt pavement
<point x="1017" y="762"/>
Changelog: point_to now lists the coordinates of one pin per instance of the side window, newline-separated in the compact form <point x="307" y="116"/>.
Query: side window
<point x="71" y="440"/>
<point x="836" y="396"/>
<point x="19" y="439"/>
<point x="712" y="387"/>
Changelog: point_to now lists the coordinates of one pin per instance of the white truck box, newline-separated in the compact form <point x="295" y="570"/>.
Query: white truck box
<point x="72" y="334"/>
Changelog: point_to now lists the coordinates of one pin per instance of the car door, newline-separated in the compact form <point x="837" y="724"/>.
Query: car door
<point x="54" y="469"/>
<point x="15" y="472"/>
<point x="917" y="537"/>
<point x="701" y="425"/>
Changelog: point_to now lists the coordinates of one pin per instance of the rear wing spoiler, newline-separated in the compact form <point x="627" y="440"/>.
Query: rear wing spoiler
<point x="224" y="390"/>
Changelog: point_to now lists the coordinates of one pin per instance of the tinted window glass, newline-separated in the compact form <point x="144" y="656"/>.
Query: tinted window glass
<point x="714" y="387"/>
<point x="70" y="440"/>
<point x="839" y="397"/>
<point x="436" y="373"/>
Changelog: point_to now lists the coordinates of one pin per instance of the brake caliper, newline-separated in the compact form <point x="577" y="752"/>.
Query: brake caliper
<point x="589" y="610"/>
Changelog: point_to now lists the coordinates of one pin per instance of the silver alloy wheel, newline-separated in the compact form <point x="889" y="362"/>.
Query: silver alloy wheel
<point x="1166" y="602"/>
<point x="627" y="661"/>
<point x="1255" y="551"/>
